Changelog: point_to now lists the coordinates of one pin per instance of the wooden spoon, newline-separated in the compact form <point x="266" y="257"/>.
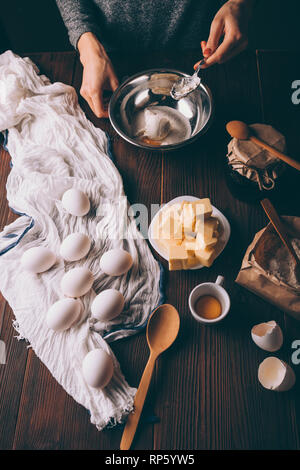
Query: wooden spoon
<point x="242" y="131"/>
<point x="279" y="227"/>
<point x="162" y="330"/>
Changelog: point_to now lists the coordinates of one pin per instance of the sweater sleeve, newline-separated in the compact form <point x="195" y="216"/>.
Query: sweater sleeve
<point x="79" y="17"/>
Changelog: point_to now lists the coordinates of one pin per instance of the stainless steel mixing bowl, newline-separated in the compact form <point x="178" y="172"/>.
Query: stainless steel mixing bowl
<point x="152" y="88"/>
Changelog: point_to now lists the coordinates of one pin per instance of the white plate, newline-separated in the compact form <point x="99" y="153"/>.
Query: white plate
<point x="224" y="226"/>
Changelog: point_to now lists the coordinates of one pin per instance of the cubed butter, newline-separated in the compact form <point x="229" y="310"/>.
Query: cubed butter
<point x="171" y="228"/>
<point x="206" y="232"/>
<point x="165" y="243"/>
<point x="203" y="208"/>
<point x="191" y="262"/>
<point x="190" y="246"/>
<point x="206" y="257"/>
<point x="190" y="236"/>
<point x="172" y="211"/>
<point x="188" y="217"/>
<point x="178" y="257"/>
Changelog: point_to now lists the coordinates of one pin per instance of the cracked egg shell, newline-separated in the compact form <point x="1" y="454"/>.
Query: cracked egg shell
<point x="97" y="368"/>
<point x="267" y="336"/>
<point x="276" y="375"/>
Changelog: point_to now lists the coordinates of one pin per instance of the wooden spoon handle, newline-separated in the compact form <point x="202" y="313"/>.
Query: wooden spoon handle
<point x="279" y="227"/>
<point x="134" y="417"/>
<point x="290" y="161"/>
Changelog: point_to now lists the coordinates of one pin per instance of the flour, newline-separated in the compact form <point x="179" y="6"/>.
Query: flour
<point x="282" y="266"/>
<point x="172" y="126"/>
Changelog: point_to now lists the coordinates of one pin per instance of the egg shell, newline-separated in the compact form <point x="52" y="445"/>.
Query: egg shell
<point x="76" y="202"/>
<point x="97" y="368"/>
<point x="77" y="282"/>
<point x="64" y="313"/>
<point x="276" y="375"/>
<point x="116" y="262"/>
<point x="267" y="336"/>
<point x="38" y="259"/>
<point x="107" y="305"/>
<point x="75" y="247"/>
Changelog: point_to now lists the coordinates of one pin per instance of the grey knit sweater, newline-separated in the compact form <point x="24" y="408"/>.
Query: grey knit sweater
<point x="140" y="24"/>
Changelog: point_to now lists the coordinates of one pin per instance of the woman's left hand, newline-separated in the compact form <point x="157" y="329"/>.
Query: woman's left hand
<point x="231" y="22"/>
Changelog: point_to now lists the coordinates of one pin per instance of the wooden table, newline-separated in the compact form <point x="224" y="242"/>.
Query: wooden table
<point x="205" y="389"/>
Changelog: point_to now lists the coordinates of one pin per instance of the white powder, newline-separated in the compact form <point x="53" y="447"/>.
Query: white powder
<point x="282" y="265"/>
<point x="184" y="86"/>
<point x="164" y="124"/>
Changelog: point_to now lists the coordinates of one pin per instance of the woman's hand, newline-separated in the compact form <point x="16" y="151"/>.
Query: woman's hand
<point x="231" y="22"/>
<point x="98" y="73"/>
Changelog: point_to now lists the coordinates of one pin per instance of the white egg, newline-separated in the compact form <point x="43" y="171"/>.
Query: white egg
<point x="107" y="305"/>
<point x="77" y="282"/>
<point x="276" y="375"/>
<point x="64" y="313"/>
<point x="267" y="336"/>
<point x="75" y="246"/>
<point x="38" y="259"/>
<point x="116" y="262"/>
<point x="76" y="202"/>
<point x="97" y="368"/>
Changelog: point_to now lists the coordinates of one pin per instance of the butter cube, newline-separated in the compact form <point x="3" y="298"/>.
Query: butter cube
<point x="206" y="232"/>
<point x="190" y="246"/>
<point x="203" y="208"/>
<point x="188" y="217"/>
<point x="206" y="257"/>
<point x="171" y="228"/>
<point x="177" y="230"/>
<point x="191" y="262"/>
<point x="190" y="236"/>
<point x="178" y="257"/>
<point x="174" y="211"/>
<point x="165" y="243"/>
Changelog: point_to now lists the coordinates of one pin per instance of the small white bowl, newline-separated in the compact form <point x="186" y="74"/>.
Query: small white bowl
<point x="214" y="289"/>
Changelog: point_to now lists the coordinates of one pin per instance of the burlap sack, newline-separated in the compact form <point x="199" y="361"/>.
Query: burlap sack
<point x="268" y="270"/>
<point x="254" y="162"/>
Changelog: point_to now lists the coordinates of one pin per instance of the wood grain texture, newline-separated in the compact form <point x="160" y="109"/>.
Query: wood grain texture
<point x="205" y="389"/>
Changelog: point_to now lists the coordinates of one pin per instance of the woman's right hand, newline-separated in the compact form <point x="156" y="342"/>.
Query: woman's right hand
<point x="98" y="73"/>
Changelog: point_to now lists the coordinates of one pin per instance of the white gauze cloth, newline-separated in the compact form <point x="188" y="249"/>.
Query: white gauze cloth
<point x="53" y="148"/>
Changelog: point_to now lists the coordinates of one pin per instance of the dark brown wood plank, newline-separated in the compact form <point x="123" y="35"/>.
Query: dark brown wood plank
<point x="277" y="71"/>
<point x="11" y="376"/>
<point x="209" y="396"/>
